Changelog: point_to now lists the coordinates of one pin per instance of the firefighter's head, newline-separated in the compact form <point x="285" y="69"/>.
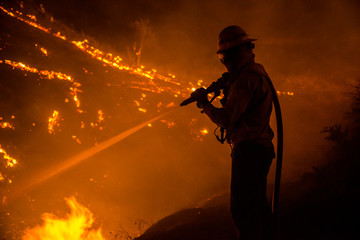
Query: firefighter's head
<point x="234" y="46"/>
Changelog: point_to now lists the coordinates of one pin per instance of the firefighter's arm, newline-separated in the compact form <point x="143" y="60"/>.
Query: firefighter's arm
<point x="239" y="97"/>
<point x="218" y="115"/>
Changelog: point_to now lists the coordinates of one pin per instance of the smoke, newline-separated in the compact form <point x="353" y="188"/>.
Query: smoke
<point x="308" y="47"/>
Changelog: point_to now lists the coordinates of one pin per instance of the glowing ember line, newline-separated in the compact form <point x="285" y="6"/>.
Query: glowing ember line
<point x="26" y="21"/>
<point x="72" y="161"/>
<point x="285" y="93"/>
<point x="116" y="62"/>
<point x="98" y="54"/>
<point x="74" y="89"/>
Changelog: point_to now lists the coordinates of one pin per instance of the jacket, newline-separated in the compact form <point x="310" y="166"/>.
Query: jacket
<point x="246" y="112"/>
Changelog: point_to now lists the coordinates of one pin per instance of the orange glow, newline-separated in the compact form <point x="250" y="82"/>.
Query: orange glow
<point x="100" y="116"/>
<point x="204" y="131"/>
<point x="137" y="103"/>
<point x="6" y="125"/>
<point x="285" y="93"/>
<point x="76" y="139"/>
<point x="44" y="51"/>
<point x="53" y="122"/>
<point x="168" y="123"/>
<point x="31" y="17"/>
<point x="39" y="178"/>
<point x="76" y="225"/>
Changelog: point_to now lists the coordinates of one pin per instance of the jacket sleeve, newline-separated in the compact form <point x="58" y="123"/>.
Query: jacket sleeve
<point x="237" y="101"/>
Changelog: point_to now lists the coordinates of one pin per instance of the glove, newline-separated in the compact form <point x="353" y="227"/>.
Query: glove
<point x="200" y="96"/>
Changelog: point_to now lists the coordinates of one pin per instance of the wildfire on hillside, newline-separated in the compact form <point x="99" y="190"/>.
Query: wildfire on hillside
<point x="73" y="89"/>
<point x="147" y="81"/>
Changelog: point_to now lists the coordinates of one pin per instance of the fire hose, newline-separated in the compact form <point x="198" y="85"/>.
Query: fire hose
<point x="215" y="88"/>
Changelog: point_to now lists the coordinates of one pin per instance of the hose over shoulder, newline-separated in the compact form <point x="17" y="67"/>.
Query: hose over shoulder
<point x="280" y="145"/>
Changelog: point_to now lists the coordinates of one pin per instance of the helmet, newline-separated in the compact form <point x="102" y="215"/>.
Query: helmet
<point x="232" y="36"/>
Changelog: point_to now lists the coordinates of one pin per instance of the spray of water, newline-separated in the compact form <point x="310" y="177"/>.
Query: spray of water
<point x="74" y="160"/>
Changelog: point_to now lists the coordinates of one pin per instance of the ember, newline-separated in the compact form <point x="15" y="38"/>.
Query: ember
<point x="53" y="122"/>
<point x="10" y="162"/>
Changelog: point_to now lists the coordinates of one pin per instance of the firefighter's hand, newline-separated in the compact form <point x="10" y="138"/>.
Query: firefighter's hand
<point x="200" y="96"/>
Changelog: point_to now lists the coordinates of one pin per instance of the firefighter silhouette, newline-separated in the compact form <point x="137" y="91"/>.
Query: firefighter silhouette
<point x="245" y="116"/>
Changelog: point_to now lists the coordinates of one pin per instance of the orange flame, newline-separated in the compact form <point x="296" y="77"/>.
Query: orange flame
<point x="53" y="122"/>
<point x="78" y="225"/>
<point x="10" y="162"/>
<point x="204" y="131"/>
<point x="44" y="51"/>
<point x="6" y="125"/>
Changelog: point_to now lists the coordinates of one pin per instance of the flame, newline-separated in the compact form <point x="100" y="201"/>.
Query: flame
<point x="285" y="93"/>
<point x="73" y="89"/>
<point x="2" y="178"/>
<point x="10" y="162"/>
<point x="100" y="116"/>
<point x="53" y="122"/>
<point x="44" y="51"/>
<point x="6" y="125"/>
<point x="204" y="131"/>
<point x="77" y="225"/>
